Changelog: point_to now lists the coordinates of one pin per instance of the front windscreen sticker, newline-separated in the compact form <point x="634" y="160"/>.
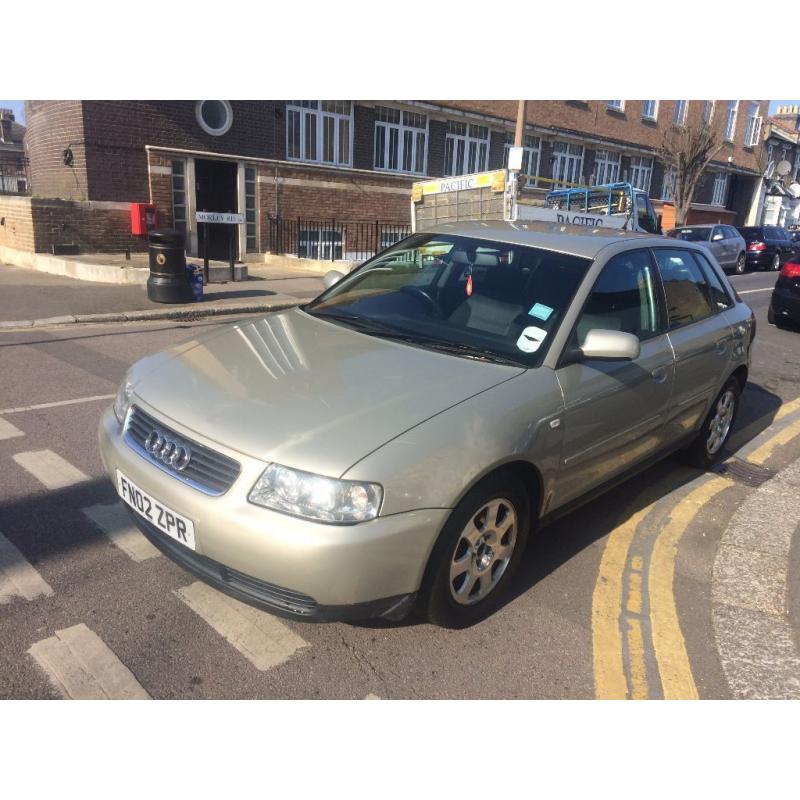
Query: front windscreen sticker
<point x="541" y="311"/>
<point x="531" y="338"/>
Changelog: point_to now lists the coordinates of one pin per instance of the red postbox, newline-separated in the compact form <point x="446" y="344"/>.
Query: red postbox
<point x="143" y="218"/>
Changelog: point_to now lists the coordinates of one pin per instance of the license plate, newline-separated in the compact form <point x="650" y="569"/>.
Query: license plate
<point x="175" y="525"/>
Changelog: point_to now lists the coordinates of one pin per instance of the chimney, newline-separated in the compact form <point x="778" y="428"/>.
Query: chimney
<point x="789" y="114"/>
<point x="5" y="129"/>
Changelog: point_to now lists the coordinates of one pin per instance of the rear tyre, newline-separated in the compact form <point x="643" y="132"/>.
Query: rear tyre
<point x="709" y="444"/>
<point x="741" y="265"/>
<point x="776" y="262"/>
<point x="477" y="553"/>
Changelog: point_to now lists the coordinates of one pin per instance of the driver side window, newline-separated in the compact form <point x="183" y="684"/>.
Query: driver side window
<point x="624" y="298"/>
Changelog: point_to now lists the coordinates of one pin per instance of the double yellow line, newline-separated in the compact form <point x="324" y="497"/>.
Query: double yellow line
<point x="634" y="604"/>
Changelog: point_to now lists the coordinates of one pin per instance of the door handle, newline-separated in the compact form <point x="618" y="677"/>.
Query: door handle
<point x="659" y="375"/>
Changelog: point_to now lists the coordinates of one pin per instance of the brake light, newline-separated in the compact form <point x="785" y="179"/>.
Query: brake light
<point x="791" y="269"/>
<point x="756" y="246"/>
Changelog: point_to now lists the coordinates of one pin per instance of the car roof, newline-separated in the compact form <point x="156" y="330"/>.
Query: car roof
<point x="576" y="240"/>
<point x="704" y="225"/>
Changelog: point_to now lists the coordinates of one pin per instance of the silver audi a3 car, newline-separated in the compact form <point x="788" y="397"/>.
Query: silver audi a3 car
<point x="388" y="447"/>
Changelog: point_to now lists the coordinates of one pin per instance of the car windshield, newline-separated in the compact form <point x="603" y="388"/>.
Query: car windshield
<point x="751" y="234"/>
<point x="469" y="297"/>
<point x="691" y="234"/>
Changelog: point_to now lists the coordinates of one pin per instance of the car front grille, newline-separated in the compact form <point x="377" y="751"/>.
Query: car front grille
<point x="206" y="470"/>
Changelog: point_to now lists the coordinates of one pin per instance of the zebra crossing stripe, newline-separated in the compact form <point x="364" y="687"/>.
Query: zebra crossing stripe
<point x="258" y="636"/>
<point x="17" y="577"/>
<point x="8" y="431"/>
<point x="115" y="523"/>
<point x="82" y="667"/>
<point x="50" y="469"/>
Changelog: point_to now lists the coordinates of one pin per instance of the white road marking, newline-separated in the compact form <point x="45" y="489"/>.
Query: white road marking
<point x="83" y="667"/>
<point x="115" y="523"/>
<point x="17" y="577"/>
<point x="258" y="636"/>
<point x="753" y="291"/>
<point x="91" y="399"/>
<point x="50" y="469"/>
<point x="8" y="431"/>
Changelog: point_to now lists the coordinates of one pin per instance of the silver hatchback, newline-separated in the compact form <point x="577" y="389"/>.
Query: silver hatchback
<point x="388" y="447"/>
<point x="725" y="242"/>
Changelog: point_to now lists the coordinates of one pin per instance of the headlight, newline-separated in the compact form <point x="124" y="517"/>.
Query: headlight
<point x="123" y="400"/>
<point x="316" y="497"/>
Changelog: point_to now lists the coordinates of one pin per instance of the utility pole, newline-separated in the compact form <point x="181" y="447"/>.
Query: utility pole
<point x="519" y="133"/>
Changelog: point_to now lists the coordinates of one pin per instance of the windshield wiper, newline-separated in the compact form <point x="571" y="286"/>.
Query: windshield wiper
<point x="386" y="331"/>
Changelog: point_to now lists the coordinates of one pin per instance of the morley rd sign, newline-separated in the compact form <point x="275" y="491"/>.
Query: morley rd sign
<point x="220" y="217"/>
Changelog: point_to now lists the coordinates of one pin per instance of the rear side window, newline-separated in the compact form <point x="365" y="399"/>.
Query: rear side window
<point x="717" y="292"/>
<point x="685" y="286"/>
<point x="624" y="298"/>
<point x="752" y="234"/>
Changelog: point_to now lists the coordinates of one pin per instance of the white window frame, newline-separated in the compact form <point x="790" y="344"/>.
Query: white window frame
<point x="641" y="166"/>
<point x="708" y="111"/>
<point x="572" y="163"/>
<point x="531" y="156"/>
<point x="616" y="105"/>
<point x="607" y="166"/>
<point x="468" y="140"/>
<point x="753" y="130"/>
<point x="730" y="120"/>
<point x="652" y="117"/>
<point x="310" y="113"/>
<point x="400" y="129"/>
<point x="666" y="184"/>
<point x="679" y="113"/>
<point x="226" y="126"/>
<point x="720" y="190"/>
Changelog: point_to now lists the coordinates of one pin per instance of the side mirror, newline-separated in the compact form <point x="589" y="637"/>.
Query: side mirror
<point x="610" y="345"/>
<point x="716" y="237"/>
<point x="331" y="277"/>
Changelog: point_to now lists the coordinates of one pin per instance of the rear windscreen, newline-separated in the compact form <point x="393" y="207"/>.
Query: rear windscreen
<point x="751" y="234"/>
<point x="691" y="234"/>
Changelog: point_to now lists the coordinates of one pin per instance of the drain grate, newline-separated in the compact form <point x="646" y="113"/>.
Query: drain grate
<point x="738" y="469"/>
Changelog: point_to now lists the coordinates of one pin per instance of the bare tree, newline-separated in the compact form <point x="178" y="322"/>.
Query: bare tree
<point x="686" y="150"/>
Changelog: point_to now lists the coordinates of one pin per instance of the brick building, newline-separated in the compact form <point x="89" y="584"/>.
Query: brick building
<point x="315" y="161"/>
<point x="780" y="195"/>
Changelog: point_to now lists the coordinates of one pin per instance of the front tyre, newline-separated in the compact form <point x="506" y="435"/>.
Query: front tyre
<point x="707" y="447"/>
<point x="477" y="553"/>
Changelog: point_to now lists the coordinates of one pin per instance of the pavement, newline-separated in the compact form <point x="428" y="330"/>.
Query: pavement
<point x="676" y="584"/>
<point x="29" y="298"/>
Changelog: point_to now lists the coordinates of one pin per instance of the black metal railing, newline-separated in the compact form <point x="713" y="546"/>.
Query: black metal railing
<point x="333" y="240"/>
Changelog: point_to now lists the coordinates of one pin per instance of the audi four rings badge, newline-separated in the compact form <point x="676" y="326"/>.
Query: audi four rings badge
<point x="168" y="452"/>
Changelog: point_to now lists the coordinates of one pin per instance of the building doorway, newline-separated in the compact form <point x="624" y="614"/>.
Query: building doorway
<point x="216" y="190"/>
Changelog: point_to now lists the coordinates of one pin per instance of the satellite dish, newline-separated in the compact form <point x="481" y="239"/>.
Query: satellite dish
<point x="783" y="168"/>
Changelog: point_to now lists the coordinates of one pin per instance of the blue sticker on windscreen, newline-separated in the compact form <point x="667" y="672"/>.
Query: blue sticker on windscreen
<point x="541" y="311"/>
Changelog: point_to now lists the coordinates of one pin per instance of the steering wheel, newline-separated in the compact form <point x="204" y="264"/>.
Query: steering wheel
<point x="431" y="305"/>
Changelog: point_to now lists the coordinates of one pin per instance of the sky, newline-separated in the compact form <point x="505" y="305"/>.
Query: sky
<point x="16" y="105"/>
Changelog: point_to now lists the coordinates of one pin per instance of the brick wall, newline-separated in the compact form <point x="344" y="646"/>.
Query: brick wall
<point x="52" y="127"/>
<point x="16" y="222"/>
<point x="34" y="223"/>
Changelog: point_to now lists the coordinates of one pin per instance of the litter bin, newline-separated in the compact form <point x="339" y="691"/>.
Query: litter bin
<point x="168" y="281"/>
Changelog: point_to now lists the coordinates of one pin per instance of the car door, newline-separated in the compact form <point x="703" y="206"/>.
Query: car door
<point x="614" y="411"/>
<point x="720" y="245"/>
<point x="700" y="336"/>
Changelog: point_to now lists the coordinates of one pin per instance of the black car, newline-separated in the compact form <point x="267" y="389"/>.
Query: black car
<point x="785" y="303"/>
<point x="768" y="246"/>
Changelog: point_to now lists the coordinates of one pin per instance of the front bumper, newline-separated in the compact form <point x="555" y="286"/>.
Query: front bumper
<point x="252" y="553"/>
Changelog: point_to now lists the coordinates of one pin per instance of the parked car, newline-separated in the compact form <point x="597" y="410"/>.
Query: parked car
<point x="768" y="246"/>
<point x="785" y="303"/>
<point x="724" y="241"/>
<point x="388" y="446"/>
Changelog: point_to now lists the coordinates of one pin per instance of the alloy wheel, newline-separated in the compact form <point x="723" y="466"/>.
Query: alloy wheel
<point x="721" y="422"/>
<point x="776" y="262"/>
<point x="483" y="551"/>
<point x="740" y="264"/>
